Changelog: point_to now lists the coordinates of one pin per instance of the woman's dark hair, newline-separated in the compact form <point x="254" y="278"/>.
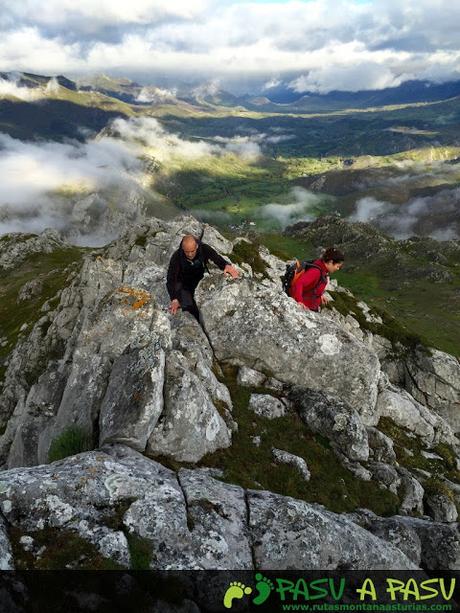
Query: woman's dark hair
<point x="333" y="254"/>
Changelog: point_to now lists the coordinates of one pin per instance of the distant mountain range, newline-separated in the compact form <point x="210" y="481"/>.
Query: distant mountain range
<point x="281" y="98"/>
<point x="406" y="93"/>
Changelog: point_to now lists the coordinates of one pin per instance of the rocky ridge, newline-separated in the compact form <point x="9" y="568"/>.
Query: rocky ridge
<point x="147" y="399"/>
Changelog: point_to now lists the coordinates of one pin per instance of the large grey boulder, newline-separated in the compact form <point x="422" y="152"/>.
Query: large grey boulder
<point x="250" y="324"/>
<point x="133" y="400"/>
<point x="393" y="530"/>
<point x="217" y="516"/>
<point x="407" y="412"/>
<point x="290" y="534"/>
<point x="22" y="440"/>
<point x="121" y="319"/>
<point x="189" y="339"/>
<point x="196" y="417"/>
<point x="190" y="425"/>
<point x="431" y="544"/>
<point x="334" y="419"/>
<point x="434" y="380"/>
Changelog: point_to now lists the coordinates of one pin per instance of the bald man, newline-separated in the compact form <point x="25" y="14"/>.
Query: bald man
<point x="186" y="269"/>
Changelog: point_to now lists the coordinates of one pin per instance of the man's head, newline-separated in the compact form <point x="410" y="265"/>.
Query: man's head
<point x="333" y="259"/>
<point x="189" y="246"/>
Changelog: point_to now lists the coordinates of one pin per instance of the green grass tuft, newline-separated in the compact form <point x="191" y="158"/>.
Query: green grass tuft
<point x="434" y="487"/>
<point x="140" y="551"/>
<point x="415" y="460"/>
<point x="73" y="440"/>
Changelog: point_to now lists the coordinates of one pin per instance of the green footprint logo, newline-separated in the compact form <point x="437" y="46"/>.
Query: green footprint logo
<point x="235" y="590"/>
<point x="264" y="587"/>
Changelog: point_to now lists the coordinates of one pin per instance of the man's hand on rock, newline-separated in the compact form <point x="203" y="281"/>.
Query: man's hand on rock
<point x="324" y="300"/>
<point x="231" y="270"/>
<point x="174" y="306"/>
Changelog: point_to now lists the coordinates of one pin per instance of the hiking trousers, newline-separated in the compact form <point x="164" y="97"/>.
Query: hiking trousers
<point x="187" y="303"/>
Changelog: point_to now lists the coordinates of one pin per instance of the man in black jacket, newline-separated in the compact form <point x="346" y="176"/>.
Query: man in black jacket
<point x="186" y="269"/>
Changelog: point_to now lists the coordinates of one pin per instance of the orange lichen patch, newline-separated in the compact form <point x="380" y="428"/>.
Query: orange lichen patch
<point x="140" y="296"/>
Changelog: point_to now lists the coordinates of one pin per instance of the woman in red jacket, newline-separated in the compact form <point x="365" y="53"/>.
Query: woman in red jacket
<point x="309" y="287"/>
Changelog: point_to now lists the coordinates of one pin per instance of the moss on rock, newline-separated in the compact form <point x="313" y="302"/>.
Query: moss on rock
<point x="57" y="549"/>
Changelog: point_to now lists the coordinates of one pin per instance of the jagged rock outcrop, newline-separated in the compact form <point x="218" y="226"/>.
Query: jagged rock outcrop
<point x="15" y="247"/>
<point x="108" y="364"/>
<point x="110" y="381"/>
<point x="279" y="338"/>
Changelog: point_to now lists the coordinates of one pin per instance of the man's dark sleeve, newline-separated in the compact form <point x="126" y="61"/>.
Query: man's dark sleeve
<point x="210" y="254"/>
<point x="173" y="283"/>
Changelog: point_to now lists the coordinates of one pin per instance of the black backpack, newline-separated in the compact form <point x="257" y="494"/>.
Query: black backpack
<point x="294" y="270"/>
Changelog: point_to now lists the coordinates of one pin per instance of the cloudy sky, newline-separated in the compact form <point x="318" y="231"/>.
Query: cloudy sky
<point x="314" y="45"/>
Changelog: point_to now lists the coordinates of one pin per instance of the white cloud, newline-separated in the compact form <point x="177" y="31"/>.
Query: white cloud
<point x="11" y="88"/>
<point x="156" y="95"/>
<point x="52" y="86"/>
<point x="435" y="216"/>
<point x="368" y="209"/>
<point x="206" y="89"/>
<point x="90" y="189"/>
<point x="48" y="184"/>
<point x="353" y="77"/>
<point x="300" y="208"/>
<point x="26" y="49"/>
<point x="146" y="132"/>
<point x="272" y="83"/>
<point x="90" y="15"/>
<point x="246" y="147"/>
<point x="332" y="43"/>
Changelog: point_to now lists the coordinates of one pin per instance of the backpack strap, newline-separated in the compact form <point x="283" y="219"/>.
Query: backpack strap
<point x="322" y="277"/>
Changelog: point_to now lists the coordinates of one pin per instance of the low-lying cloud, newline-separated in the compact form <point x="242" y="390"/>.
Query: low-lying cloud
<point x="363" y="74"/>
<point x="86" y="190"/>
<point x="156" y="95"/>
<point x="302" y="205"/>
<point x="436" y="216"/>
<point x="10" y="87"/>
<point x="66" y="186"/>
